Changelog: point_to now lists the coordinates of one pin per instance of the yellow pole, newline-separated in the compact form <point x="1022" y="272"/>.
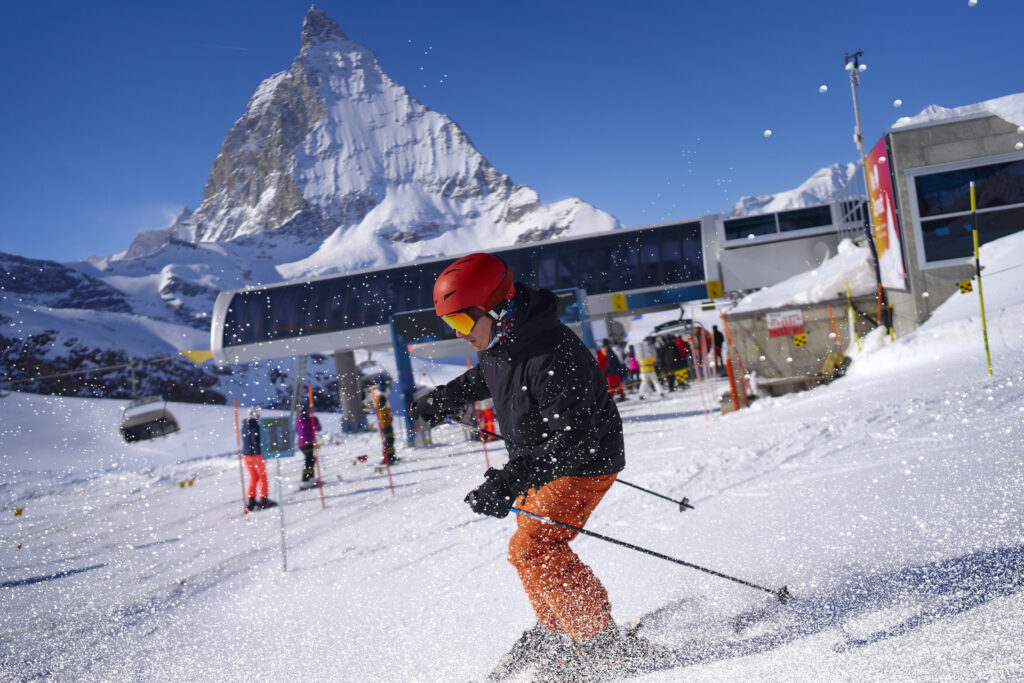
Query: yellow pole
<point x="853" y="317"/>
<point x="977" y="267"/>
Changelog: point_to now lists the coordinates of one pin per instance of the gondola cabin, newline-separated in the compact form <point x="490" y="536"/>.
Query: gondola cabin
<point x="147" y="418"/>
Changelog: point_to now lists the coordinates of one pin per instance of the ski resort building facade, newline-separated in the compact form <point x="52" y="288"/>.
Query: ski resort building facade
<point x="920" y="218"/>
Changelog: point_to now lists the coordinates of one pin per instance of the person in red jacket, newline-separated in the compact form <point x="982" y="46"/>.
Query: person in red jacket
<point x="565" y="444"/>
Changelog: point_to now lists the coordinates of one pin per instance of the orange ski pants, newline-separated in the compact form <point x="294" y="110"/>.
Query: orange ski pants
<point x="566" y="595"/>
<point x="258" y="484"/>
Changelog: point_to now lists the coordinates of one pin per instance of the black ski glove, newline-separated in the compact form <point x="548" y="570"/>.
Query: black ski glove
<point x="494" y="497"/>
<point x="431" y="408"/>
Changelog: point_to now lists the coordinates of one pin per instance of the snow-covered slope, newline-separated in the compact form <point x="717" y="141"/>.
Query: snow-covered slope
<point x="850" y="266"/>
<point x="888" y="502"/>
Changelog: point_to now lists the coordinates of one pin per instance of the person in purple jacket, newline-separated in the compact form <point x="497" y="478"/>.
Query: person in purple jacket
<point x="306" y="427"/>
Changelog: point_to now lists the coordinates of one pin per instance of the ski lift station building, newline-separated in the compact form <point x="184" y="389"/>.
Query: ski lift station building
<point x="917" y="198"/>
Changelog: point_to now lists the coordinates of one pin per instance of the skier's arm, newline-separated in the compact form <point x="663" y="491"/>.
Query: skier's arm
<point x="448" y="399"/>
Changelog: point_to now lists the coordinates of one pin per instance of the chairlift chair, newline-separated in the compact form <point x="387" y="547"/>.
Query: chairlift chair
<point x="147" y="418"/>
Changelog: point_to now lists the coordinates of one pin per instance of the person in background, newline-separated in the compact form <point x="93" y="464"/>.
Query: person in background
<point x="717" y="340"/>
<point x="683" y="372"/>
<point x="612" y="368"/>
<point x="387" y="430"/>
<point x="648" y="375"/>
<point x="671" y="360"/>
<point x="252" y="456"/>
<point x="634" y="369"/>
<point x="306" y="427"/>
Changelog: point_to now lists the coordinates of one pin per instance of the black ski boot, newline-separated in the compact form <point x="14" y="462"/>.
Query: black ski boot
<point x="264" y="503"/>
<point x="250" y="504"/>
<point x="537" y="646"/>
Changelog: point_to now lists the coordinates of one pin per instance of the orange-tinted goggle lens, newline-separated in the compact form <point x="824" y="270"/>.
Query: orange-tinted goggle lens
<point x="462" y="322"/>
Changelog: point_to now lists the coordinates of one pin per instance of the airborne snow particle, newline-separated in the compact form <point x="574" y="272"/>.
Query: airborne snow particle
<point x="1019" y="145"/>
<point x="863" y="67"/>
<point x="1020" y="129"/>
<point x="823" y="88"/>
<point x="768" y="132"/>
<point x="972" y="3"/>
<point x="897" y="103"/>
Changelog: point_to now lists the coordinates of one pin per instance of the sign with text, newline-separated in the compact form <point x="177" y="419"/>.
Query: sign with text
<point x="276" y="437"/>
<point x="884" y="219"/>
<point x="785" y="323"/>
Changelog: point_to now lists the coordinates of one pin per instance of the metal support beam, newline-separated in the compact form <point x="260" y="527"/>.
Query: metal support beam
<point x="352" y="418"/>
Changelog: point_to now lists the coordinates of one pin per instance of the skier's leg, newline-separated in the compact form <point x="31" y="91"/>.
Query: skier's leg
<point x="309" y="464"/>
<point x="563" y="591"/>
<point x="262" y="485"/>
<point x="251" y="464"/>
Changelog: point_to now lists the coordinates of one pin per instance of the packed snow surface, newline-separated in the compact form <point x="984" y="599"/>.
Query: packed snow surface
<point x="889" y="503"/>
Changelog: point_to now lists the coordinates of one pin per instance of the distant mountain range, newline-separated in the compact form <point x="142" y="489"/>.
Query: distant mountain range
<point x="333" y="167"/>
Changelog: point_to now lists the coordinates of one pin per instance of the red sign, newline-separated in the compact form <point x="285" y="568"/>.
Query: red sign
<point x="785" y="323"/>
<point x="883" y="218"/>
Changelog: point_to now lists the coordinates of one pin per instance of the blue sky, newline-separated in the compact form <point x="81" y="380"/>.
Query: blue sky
<point x="114" y="111"/>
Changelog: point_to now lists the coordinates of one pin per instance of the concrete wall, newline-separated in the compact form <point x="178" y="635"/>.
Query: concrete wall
<point x="934" y="145"/>
<point x="767" y="263"/>
<point x="780" y="356"/>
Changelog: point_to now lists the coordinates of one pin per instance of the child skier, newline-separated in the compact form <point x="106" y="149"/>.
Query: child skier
<point x="565" y="445"/>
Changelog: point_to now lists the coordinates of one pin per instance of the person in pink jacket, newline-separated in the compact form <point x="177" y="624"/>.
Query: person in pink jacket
<point x="306" y="427"/>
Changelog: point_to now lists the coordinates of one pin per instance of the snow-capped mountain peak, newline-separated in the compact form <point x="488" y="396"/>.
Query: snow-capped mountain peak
<point x="335" y="148"/>
<point x="822" y="187"/>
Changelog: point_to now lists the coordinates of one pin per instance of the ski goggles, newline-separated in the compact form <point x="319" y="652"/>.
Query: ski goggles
<point x="463" y="321"/>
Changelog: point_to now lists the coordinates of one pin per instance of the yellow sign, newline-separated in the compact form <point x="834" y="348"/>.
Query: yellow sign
<point x="618" y="302"/>
<point x="18" y="511"/>
<point x="966" y="286"/>
<point x="800" y="339"/>
<point x="715" y="289"/>
<point x="197" y="357"/>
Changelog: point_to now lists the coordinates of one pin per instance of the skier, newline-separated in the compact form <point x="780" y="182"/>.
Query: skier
<point x="252" y="456"/>
<point x="634" y="369"/>
<point x="565" y="445"/>
<point x="306" y="427"/>
<point x="648" y="377"/>
<point x="717" y="340"/>
<point x="387" y="430"/>
<point x="612" y="367"/>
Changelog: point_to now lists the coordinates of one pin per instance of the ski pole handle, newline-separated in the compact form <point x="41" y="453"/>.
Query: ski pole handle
<point x="683" y="504"/>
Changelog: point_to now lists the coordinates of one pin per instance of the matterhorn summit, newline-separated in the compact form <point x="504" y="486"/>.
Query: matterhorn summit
<point x="344" y="159"/>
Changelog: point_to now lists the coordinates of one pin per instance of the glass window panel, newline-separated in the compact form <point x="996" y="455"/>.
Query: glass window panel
<point x="950" y="238"/>
<point x="1000" y="184"/>
<point x="546" y="271"/>
<point x="950" y="192"/>
<point x="742" y="228"/>
<point x="650" y="264"/>
<point x="802" y="219"/>
<point x="624" y="267"/>
<point x="671" y="257"/>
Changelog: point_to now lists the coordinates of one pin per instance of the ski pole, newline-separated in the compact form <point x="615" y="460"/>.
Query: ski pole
<point x="683" y="504"/>
<point x="782" y="594"/>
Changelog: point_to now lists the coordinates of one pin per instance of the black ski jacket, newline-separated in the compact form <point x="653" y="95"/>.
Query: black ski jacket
<point x="550" y="398"/>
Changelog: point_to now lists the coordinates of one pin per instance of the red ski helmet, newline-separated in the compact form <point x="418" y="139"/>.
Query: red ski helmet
<point x="476" y="282"/>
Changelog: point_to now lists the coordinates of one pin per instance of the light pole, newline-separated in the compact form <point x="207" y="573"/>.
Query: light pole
<point x="853" y="65"/>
